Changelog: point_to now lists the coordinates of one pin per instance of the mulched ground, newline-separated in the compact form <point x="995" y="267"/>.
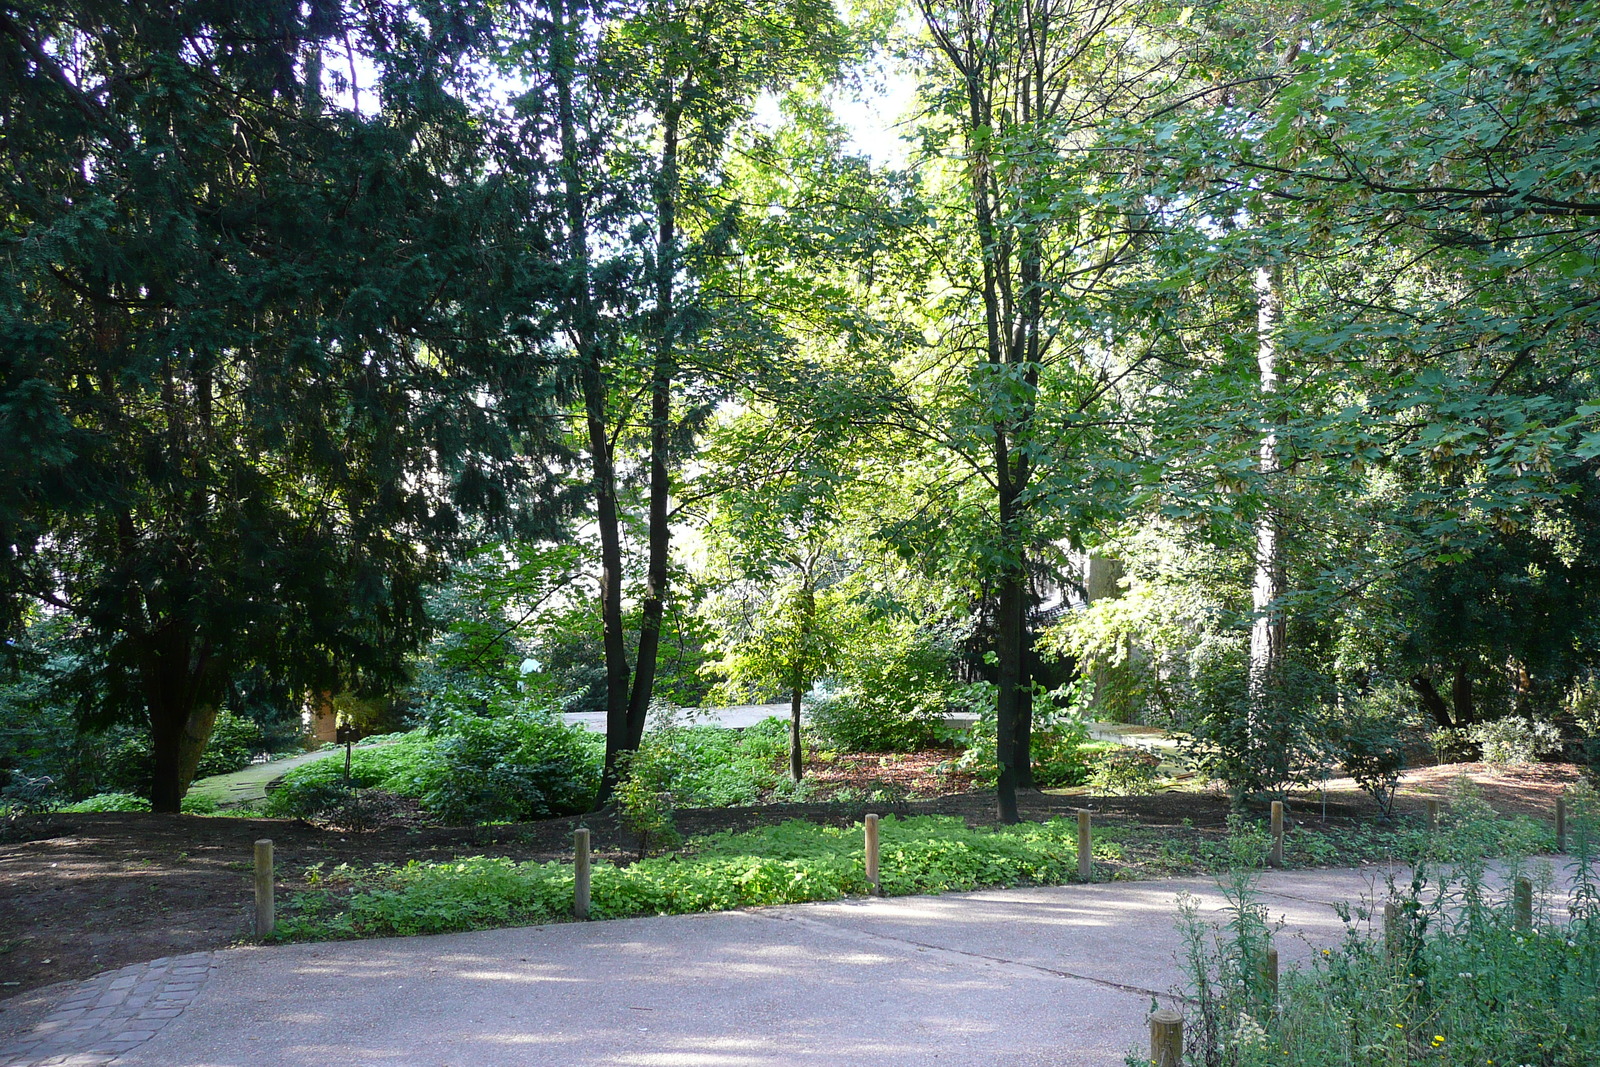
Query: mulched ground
<point x="80" y="894"/>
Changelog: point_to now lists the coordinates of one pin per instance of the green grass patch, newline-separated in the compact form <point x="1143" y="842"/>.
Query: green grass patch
<point x="786" y="864"/>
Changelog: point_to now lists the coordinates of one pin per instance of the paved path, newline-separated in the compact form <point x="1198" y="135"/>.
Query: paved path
<point x="1061" y="976"/>
<point x="737" y="716"/>
<point x="250" y="784"/>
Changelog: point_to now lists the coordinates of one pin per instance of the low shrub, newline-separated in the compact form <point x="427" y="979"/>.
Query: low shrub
<point x="1515" y="739"/>
<point x="1368" y="738"/>
<point x="1123" y="771"/>
<point x="853" y="721"/>
<point x="192" y="805"/>
<point x="234" y="742"/>
<point x="511" y="767"/>
<point x="107" y="802"/>
<point x="508" y="768"/>
<point x="309" y="790"/>
<point x="712" y="766"/>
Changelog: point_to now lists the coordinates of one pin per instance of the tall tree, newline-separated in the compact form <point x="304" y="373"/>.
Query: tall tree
<point x="261" y="347"/>
<point x="1030" y="87"/>
<point x="644" y="101"/>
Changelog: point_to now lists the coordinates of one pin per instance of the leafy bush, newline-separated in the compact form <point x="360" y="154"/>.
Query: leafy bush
<point x="108" y="802"/>
<point x="644" y="796"/>
<point x="234" y="742"/>
<point x="516" y="766"/>
<point x="712" y="766"/>
<point x="311" y="789"/>
<point x="784" y="864"/>
<point x="851" y="721"/>
<point x="896" y="688"/>
<point x="1255" y="742"/>
<point x="1453" y="744"/>
<point x="1515" y="739"/>
<point x="1125" y="771"/>
<point x="513" y="767"/>
<point x="1060" y="745"/>
<point x="100" y="802"/>
<point x="1368" y="740"/>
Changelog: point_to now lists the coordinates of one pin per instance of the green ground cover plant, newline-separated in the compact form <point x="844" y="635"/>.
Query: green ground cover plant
<point x="192" y="805"/>
<point x="785" y="864"/>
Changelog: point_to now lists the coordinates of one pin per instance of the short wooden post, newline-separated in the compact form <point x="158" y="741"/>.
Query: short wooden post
<point x="1433" y="815"/>
<point x="266" y="921"/>
<point x="1561" y="824"/>
<point x="1524" y="904"/>
<point x="1269" y="973"/>
<point x="1276" y="859"/>
<point x="871" y="823"/>
<point x="580" y="873"/>
<point x="1391" y="928"/>
<point x="1085" y="847"/>
<point x="1166" y="1038"/>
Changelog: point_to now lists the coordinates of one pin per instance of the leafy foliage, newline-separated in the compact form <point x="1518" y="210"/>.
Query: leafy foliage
<point x="786" y="864"/>
<point x="479" y="770"/>
<point x="1460" y="983"/>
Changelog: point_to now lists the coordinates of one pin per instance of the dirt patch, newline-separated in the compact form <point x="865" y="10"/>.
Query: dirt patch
<point x="87" y="893"/>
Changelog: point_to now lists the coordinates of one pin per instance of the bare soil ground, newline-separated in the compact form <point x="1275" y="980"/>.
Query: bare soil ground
<point x="80" y="894"/>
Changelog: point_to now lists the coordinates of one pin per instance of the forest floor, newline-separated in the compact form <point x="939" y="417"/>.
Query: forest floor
<point x="80" y="894"/>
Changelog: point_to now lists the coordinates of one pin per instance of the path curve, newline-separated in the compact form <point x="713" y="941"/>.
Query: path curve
<point x="1060" y="975"/>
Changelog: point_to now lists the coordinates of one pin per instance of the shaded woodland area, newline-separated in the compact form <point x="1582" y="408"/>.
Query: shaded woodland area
<point x="459" y="365"/>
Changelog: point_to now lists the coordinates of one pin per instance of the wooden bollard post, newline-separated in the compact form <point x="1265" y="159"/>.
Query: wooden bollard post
<point x="266" y="920"/>
<point x="580" y="873"/>
<point x="1276" y="859"/>
<point x="1269" y="973"/>
<point x="1085" y="847"/>
<point x="1391" y="928"/>
<point x="1561" y="824"/>
<point x="1524" y="904"/>
<point x="871" y="823"/>
<point x="1433" y="816"/>
<point x="1166" y="1038"/>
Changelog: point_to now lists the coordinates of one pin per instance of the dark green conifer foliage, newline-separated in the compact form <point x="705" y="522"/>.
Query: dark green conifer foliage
<point x="264" y="341"/>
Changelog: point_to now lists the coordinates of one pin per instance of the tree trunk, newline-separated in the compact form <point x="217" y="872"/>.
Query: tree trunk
<point x="181" y="696"/>
<point x="1009" y="688"/>
<point x="588" y="343"/>
<point x="1432" y="702"/>
<point x="178" y="737"/>
<point x="1267" y="630"/>
<point x="796" y="756"/>
<point x="661" y="373"/>
<point x="1102" y="580"/>
<point x="1461" y="696"/>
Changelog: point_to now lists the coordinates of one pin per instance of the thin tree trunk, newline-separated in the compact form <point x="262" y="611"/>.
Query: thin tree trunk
<point x="587" y="340"/>
<point x="1267" y="630"/>
<point x="1461" y="696"/>
<point x="1008" y="692"/>
<point x="659" y="537"/>
<point x="796" y="755"/>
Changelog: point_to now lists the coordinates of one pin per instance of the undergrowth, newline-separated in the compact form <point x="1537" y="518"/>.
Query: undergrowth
<point x="785" y="864"/>
<point x="1453" y="979"/>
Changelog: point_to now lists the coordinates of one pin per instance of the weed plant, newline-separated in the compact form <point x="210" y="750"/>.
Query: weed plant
<point x="785" y="864"/>
<point x="1453" y="981"/>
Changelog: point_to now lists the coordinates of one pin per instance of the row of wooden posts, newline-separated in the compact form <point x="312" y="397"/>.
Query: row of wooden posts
<point x="265" y="921"/>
